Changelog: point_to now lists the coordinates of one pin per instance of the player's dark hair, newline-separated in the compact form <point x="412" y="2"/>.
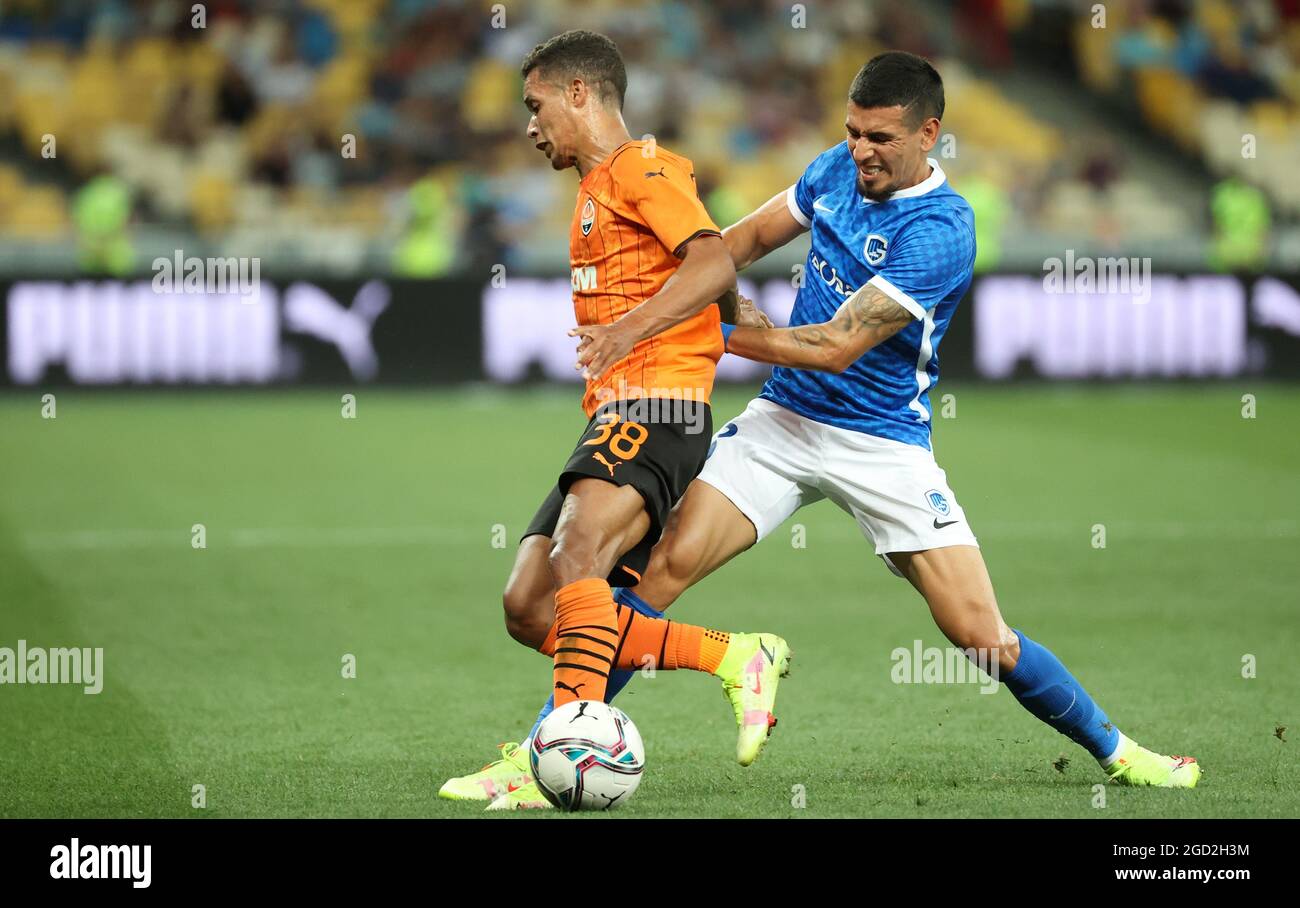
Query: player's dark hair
<point x="899" y="79"/>
<point x="584" y="55"/>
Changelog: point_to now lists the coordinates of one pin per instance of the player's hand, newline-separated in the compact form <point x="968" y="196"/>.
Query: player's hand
<point x="601" y="346"/>
<point x="750" y="316"/>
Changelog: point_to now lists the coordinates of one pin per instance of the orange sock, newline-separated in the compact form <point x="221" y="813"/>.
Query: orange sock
<point x="586" y="635"/>
<point x="667" y="645"/>
<point x="548" y="645"/>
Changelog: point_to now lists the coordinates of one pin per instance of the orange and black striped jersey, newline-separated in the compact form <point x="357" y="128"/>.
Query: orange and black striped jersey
<point x="634" y="214"/>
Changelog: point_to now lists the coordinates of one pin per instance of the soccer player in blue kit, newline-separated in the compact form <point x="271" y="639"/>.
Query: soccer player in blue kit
<point x="846" y="414"/>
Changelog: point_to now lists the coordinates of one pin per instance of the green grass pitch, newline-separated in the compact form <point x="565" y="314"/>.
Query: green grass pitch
<point x="374" y="537"/>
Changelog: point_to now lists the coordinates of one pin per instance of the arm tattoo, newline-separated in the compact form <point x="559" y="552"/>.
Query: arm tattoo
<point x="869" y="308"/>
<point x="810" y="335"/>
<point x="865" y="319"/>
<point x="867" y="315"/>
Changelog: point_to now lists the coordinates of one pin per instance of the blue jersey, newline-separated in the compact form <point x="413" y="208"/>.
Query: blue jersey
<point x="917" y="247"/>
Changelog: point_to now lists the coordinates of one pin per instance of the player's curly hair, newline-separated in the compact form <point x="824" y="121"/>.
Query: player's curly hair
<point x="581" y="54"/>
<point x="899" y="79"/>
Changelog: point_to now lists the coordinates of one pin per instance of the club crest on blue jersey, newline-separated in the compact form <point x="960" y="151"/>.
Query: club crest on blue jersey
<point x="588" y="217"/>
<point x="934" y="498"/>
<point x="875" y="249"/>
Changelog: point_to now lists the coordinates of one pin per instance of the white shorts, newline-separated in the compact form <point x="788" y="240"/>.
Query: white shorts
<point x="771" y="462"/>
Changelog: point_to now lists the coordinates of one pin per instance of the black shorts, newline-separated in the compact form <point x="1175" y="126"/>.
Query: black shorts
<point x="656" y="445"/>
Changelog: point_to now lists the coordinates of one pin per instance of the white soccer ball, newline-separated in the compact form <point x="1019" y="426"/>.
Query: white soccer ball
<point x="587" y="755"/>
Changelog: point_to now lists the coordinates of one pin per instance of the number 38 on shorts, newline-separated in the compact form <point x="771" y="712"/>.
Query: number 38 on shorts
<point x="626" y="442"/>
<point x="657" y="456"/>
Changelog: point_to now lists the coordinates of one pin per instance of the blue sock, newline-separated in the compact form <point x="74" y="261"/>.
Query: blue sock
<point x="545" y="711"/>
<point x="1044" y="687"/>
<point x="619" y="677"/>
<point x="636" y="603"/>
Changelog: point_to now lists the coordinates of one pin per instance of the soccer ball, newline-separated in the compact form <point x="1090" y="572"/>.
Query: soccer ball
<point x="587" y="755"/>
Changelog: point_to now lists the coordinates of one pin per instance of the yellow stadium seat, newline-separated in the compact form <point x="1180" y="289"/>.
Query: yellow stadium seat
<point x="1170" y="103"/>
<point x="11" y="187"/>
<point x="39" y="213"/>
<point x="491" y="96"/>
<point x="211" y="196"/>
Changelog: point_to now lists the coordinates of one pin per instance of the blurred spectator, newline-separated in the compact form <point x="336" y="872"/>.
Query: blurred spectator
<point x="101" y="211"/>
<point x="426" y="248"/>
<point x="298" y="119"/>
<point x="991" y="205"/>
<point x="1241" y="227"/>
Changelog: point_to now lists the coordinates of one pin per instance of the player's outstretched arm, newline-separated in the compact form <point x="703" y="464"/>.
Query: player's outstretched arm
<point x="865" y="319"/>
<point x="768" y="227"/>
<point x="704" y="274"/>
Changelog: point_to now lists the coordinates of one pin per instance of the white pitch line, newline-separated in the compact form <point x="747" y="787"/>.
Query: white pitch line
<point x="345" y="537"/>
<point x="1121" y="531"/>
<point x="253" y="538"/>
<point x="1265" y="528"/>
